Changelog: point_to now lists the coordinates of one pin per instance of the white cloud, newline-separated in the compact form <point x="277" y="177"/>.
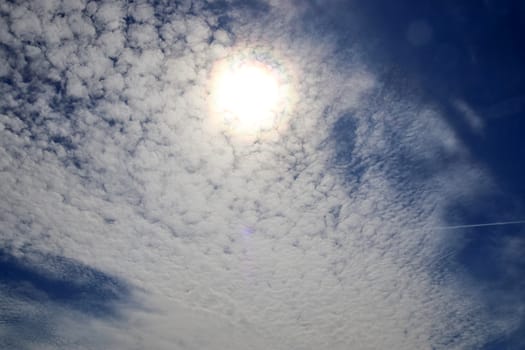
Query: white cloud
<point x="236" y="244"/>
<point x="472" y="118"/>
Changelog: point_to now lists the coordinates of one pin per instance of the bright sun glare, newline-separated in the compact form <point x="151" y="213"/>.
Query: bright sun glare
<point x="247" y="96"/>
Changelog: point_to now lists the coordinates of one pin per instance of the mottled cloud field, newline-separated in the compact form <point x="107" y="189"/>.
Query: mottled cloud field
<point x="309" y="237"/>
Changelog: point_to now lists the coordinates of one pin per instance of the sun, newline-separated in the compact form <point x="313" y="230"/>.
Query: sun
<point x="247" y="96"/>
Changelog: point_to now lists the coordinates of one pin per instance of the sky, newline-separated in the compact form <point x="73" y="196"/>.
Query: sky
<point x="337" y="199"/>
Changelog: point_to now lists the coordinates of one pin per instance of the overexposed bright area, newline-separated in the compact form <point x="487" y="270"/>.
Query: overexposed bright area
<point x="248" y="96"/>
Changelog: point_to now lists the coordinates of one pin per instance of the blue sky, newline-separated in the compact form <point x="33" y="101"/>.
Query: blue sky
<point x="141" y="208"/>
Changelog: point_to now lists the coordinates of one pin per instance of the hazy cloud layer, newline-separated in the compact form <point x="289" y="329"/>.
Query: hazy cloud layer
<point x="311" y="237"/>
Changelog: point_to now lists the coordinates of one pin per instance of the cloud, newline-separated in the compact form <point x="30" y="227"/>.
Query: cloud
<point x="300" y="240"/>
<point x="38" y="293"/>
<point x="473" y="120"/>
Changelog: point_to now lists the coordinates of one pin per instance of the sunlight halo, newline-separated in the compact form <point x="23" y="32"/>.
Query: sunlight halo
<point x="248" y="96"/>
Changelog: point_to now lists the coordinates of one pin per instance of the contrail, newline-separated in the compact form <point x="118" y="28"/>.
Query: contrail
<point x="501" y="223"/>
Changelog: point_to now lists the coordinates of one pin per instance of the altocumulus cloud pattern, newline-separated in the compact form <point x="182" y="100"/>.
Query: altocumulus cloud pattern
<point x="128" y="220"/>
